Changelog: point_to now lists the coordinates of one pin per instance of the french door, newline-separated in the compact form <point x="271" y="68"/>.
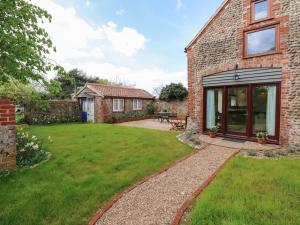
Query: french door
<point x="243" y="110"/>
<point x="237" y="110"/>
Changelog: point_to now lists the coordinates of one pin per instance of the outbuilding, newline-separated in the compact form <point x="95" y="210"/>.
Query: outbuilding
<point x="104" y="103"/>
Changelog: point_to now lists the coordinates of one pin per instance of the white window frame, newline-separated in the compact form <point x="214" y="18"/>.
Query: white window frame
<point x="118" y="107"/>
<point x="137" y="104"/>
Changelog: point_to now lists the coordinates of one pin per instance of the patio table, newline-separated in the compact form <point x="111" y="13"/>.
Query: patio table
<point x="161" y="116"/>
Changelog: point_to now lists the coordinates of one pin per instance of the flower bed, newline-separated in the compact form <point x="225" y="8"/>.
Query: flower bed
<point x="132" y="117"/>
<point x="29" y="149"/>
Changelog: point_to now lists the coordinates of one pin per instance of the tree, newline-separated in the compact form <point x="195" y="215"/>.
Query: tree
<point x="21" y="93"/>
<point x="103" y="81"/>
<point x="77" y="79"/>
<point x="173" y="92"/>
<point x="157" y="90"/>
<point x="24" y="45"/>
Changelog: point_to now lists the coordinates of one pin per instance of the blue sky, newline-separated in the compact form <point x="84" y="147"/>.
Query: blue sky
<point x="140" y="42"/>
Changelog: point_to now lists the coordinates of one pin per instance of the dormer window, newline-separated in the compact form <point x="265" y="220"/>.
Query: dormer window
<point x="260" y="10"/>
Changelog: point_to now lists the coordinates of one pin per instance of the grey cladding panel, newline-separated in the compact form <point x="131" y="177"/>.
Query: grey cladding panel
<point x="245" y="76"/>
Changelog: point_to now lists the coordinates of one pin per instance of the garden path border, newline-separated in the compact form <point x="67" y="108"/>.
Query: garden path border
<point x="110" y="203"/>
<point x="198" y="192"/>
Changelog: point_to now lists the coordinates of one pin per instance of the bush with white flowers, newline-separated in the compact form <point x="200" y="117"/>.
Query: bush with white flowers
<point x="29" y="149"/>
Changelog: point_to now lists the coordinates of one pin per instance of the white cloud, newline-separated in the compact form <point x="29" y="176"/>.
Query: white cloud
<point x="147" y="78"/>
<point x="87" y="3"/>
<point x="128" y="41"/>
<point x="179" y="4"/>
<point x="120" y="12"/>
<point x="75" y="38"/>
<point x="90" y="48"/>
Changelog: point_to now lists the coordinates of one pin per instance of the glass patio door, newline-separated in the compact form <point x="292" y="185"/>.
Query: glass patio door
<point x="243" y="110"/>
<point x="214" y="108"/>
<point x="264" y="109"/>
<point x="237" y="110"/>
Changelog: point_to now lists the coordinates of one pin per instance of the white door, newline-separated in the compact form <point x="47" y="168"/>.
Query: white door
<point x="90" y="110"/>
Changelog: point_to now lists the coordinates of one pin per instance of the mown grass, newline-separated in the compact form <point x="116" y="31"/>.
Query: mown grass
<point x="89" y="165"/>
<point x="251" y="192"/>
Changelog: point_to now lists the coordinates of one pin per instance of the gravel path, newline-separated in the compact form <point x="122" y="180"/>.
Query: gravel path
<point x="157" y="201"/>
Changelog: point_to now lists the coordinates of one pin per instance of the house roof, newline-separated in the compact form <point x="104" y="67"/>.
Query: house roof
<point x="225" y="2"/>
<point x="117" y="91"/>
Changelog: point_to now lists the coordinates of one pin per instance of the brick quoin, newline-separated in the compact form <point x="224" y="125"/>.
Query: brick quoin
<point x="7" y="135"/>
<point x="220" y="47"/>
<point x="7" y="112"/>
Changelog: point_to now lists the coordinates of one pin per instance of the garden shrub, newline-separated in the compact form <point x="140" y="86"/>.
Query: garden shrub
<point x="269" y="153"/>
<point x="29" y="150"/>
<point x="282" y="153"/>
<point x="291" y="150"/>
<point x="252" y="152"/>
<point x="20" y="118"/>
<point x="173" y="92"/>
<point x="128" y="116"/>
<point x="151" y="109"/>
<point x="4" y="173"/>
<point x="197" y="142"/>
<point x="189" y="134"/>
<point x="192" y="139"/>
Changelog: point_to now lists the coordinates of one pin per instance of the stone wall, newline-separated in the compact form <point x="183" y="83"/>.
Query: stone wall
<point x="7" y="135"/>
<point x="293" y="86"/>
<point x="59" y="111"/>
<point x="220" y="47"/>
<point x="179" y="107"/>
<point x="216" y="49"/>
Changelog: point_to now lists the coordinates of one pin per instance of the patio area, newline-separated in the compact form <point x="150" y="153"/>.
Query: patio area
<point x="219" y="141"/>
<point x="149" y="124"/>
<point x="232" y="143"/>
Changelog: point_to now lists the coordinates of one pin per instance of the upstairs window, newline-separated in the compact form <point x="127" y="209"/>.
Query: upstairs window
<point x="260" y="10"/>
<point x="137" y="104"/>
<point x="118" y="105"/>
<point x="263" y="41"/>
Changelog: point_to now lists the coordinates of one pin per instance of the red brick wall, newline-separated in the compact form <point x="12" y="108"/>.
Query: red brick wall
<point x="7" y="113"/>
<point x="100" y="110"/>
<point x="221" y="47"/>
<point x="7" y="135"/>
<point x="106" y="114"/>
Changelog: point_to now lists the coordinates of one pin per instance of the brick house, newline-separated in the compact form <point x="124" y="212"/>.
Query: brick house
<point x="244" y="71"/>
<point x="102" y="103"/>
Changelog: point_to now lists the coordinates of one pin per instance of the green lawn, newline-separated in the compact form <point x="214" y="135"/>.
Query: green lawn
<point x="251" y="192"/>
<point x="89" y="165"/>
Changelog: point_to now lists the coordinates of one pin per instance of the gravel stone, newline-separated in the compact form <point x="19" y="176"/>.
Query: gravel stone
<point x="156" y="201"/>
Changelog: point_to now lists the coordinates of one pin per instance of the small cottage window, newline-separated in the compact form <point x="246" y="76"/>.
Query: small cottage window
<point x="260" y="10"/>
<point x="137" y="104"/>
<point x="261" y="41"/>
<point x="118" y="105"/>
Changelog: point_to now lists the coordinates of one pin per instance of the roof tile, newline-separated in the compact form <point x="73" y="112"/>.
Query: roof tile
<point x="117" y="91"/>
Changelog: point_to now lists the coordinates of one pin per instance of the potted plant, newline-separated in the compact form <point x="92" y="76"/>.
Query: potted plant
<point x="213" y="131"/>
<point x="262" y="137"/>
